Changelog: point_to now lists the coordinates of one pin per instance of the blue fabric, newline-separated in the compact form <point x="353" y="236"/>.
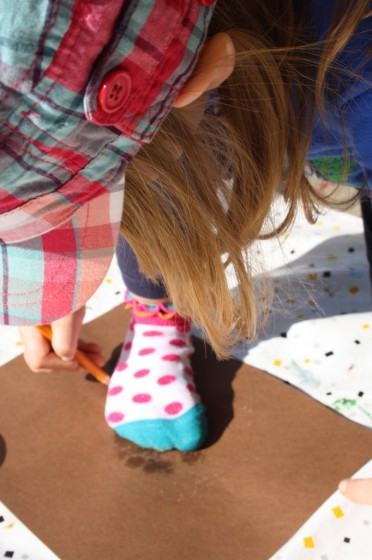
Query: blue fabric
<point x="354" y="99"/>
<point x="185" y="433"/>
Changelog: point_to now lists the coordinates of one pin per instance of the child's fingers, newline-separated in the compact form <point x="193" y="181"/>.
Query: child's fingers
<point x="53" y="363"/>
<point x="43" y="355"/>
<point x="357" y="490"/>
<point x="36" y="348"/>
<point x="65" y="334"/>
<point x="38" y="353"/>
<point x="92" y="351"/>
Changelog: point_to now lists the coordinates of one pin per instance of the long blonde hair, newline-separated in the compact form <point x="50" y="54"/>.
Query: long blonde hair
<point x="195" y="201"/>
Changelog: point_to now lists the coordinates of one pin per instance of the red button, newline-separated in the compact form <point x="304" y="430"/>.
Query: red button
<point x="114" y="91"/>
<point x="206" y="3"/>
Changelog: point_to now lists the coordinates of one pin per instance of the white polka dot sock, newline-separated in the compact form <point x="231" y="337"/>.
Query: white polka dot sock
<point x="152" y="399"/>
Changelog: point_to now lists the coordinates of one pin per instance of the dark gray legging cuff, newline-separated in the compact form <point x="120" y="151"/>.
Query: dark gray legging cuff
<point x="134" y="279"/>
<point x="366" y="205"/>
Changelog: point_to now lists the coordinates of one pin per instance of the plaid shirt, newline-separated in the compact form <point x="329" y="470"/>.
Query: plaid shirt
<point x="63" y="149"/>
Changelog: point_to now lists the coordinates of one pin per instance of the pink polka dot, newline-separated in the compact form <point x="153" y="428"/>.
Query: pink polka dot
<point x="153" y="333"/>
<point x="131" y="326"/>
<point x="178" y="342"/>
<point x="115" y="390"/>
<point x="122" y="366"/>
<point x="146" y="351"/>
<point x="115" y="417"/>
<point x="166" y="379"/>
<point x="171" y="358"/>
<point x="189" y="371"/>
<point x="128" y="346"/>
<point x="191" y="388"/>
<point x="141" y="373"/>
<point x="142" y="398"/>
<point x="173" y="408"/>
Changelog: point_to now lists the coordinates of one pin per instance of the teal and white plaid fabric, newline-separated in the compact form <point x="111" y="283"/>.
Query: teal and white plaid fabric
<point x="83" y="84"/>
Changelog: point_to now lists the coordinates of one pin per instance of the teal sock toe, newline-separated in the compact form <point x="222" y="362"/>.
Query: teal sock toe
<point x="185" y="433"/>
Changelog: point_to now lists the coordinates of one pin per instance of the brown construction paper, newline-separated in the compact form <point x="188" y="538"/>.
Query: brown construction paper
<point x="273" y="455"/>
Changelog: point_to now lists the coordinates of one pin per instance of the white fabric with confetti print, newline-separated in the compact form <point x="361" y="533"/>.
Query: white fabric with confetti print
<point x="338" y="530"/>
<point x="18" y="542"/>
<point x="333" y="369"/>
<point x="319" y="337"/>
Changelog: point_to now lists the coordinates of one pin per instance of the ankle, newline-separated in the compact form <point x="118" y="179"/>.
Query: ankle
<point x="148" y="301"/>
<point x="158" y="314"/>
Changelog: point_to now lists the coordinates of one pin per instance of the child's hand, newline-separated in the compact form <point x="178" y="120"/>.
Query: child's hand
<point x="357" y="490"/>
<point x="44" y="357"/>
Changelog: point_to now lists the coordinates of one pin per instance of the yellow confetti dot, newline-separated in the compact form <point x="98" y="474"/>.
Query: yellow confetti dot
<point x="319" y="223"/>
<point x="108" y="281"/>
<point x="308" y="542"/>
<point x="291" y="301"/>
<point x="312" y="276"/>
<point x="354" y="289"/>
<point x="365" y="326"/>
<point x="336" y="228"/>
<point x="331" y="257"/>
<point x="307" y="360"/>
<point x="337" y="512"/>
<point x="277" y="362"/>
<point x="19" y="343"/>
<point x="311" y="302"/>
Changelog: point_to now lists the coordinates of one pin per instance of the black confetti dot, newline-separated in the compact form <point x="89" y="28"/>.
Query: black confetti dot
<point x="1" y="519"/>
<point x="328" y="394"/>
<point x="326" y="274"/>
<point x="346" y="539"/>
<point x="117" y="293"/>
<point x="357" y="341"/>
<point x="360" y="394"/>
<point x="9" y="554"/>
<point x="329" y="354"/>
<point x="351" y="249"/>
<point x="311" y="265"/>
<point x="293" y="252"/>
<point x="283" y="335"/>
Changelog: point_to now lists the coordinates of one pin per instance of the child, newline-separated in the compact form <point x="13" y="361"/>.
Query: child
<point x="278" y="83"/>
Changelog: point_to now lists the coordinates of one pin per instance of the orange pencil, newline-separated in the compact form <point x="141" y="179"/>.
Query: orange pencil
<point x="83" y="360"/>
